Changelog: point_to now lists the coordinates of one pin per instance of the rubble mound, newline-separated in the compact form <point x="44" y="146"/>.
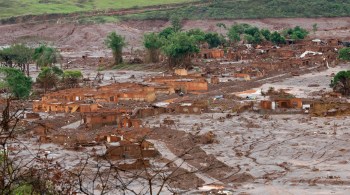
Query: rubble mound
<point x="242" y="178"/>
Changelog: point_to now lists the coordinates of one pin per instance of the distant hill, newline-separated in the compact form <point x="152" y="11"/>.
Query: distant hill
<point x="11" y="8"/>
<point x="201" y="9"/>
<point x="241" y="9"/>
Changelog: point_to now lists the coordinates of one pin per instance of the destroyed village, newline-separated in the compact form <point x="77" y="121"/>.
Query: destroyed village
<point x="176" y="97"/>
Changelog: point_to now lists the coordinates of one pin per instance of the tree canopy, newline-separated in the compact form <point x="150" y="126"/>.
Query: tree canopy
<point x="214" y="39"/>
<point x="277" y="38"/>
<point x="116" y="43"/>
<point x="45" y="56"/>
<point x="344" y="53"/>
<point x="49" y="77"/>
<point x="178" y="47"/>
<point x="19" y="55"/>
<point x="296" y="33"/>
<point x="18" y="84"/>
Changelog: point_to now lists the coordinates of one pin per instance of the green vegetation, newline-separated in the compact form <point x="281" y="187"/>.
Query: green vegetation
<point x="341" y="82"/>
<point x="341" y="76"/>
<point x="344" y="54"/>
<point x="235" y="9"/>
<point x="277" y="38"/>
<point x="116" y="43"/>
<point x="45" y="56"/>
<point x="152" y="43"/>
<point x="197" y="34"/>
<point x="16" y="82"/>
<point x="296" y="33"/>
<point x="72" y="74"/>
<point x="36" y="7"/>
<point x="71" y="78"/>
<point x="214" y="39"/>
<point x="254" y="35"/>
<point x="49" y="77"/>
<point x="179" y="47"/>
<point x="19" y="55"/>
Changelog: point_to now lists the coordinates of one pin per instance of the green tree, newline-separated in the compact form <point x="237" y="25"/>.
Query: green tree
<point x="19" y="55"/>
<point x="49" y="77"/>
<point x="254" y="39"/>
<point x="17" y="83"/>
<point x="344" y="54"/>
<point x="213" y="39"/>
<point x="178" y="48"/>
<point x="277" y="38"/>
<point x="233" y="36"/>
<point x="116" y="43"/>
<point x="197" y="34"/>
<point x="341" y="82"/>
<point x="72" y="77"/>
<point x="176" y="23"/>
<point x="165" y="33"/>
<point x="296" y="33"/>
<point x="152" y="43"/>
<point x="235" y="31"/>
<point x="266" y="33"/>
<point x="45" y="56"/>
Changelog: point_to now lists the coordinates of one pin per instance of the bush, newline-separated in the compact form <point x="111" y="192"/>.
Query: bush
<point x="344" y="54"/>
<point x="18" y="84"/>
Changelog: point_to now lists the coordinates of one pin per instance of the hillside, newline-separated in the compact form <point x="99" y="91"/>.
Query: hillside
<point x="37" y="7"/>
<point x="244" y="9"/>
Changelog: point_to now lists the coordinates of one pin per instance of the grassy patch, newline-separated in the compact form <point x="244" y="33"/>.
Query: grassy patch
<point x="237" y="9"/>
<point x="11" y="8"/>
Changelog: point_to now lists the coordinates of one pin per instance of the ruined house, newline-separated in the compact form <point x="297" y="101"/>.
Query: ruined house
<point x="131" y="150"/>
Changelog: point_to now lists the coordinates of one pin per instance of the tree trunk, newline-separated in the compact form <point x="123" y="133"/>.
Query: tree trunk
<point x="28" y="70"/>
<point x="153" y="55"/>
<point x="118" y="57"/>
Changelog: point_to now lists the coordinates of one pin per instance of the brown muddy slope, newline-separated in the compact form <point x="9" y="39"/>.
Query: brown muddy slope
<point x="91" y="37"/>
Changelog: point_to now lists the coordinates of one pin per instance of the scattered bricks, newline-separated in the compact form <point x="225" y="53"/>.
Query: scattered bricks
<point x="215" y="80"/>
<point x="168" y="122"/>
<point x="32" y="115"/>
<point x="181" y="72"/>
<point x="138" y="164"/>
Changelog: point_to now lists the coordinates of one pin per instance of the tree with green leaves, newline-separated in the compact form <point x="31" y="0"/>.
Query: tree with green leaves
<point x="214" y="39"/>
<point x="153" y="43"/>
<point x="165" y="33"/>
<point x="277" y="38"/>
<point x="266" y="33"/>
<point x="49" y="77"/>
<point x="178" y="48"/>
<point x="176" y="23"/>
<point x="45" y="56"/>
<point x="17" y="55"/>
<point x="16" y="82"/>
<point x="344" y="53"/>
<point x="116" y="43"/>
<point x="256" y="38"/>
<point x="235" y="31"/>
<point x="233" y="36"/>
<point x="341" y="82"/>
<point x="296" y="33"/>
<point x="72" y="77"/>
<point x="197" y="34"/>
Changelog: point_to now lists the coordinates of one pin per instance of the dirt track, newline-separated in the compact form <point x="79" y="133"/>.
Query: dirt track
<point x="89" y="38"/>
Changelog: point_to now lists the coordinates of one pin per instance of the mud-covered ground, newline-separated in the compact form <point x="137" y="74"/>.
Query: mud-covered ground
<point x="89" y="39"/>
